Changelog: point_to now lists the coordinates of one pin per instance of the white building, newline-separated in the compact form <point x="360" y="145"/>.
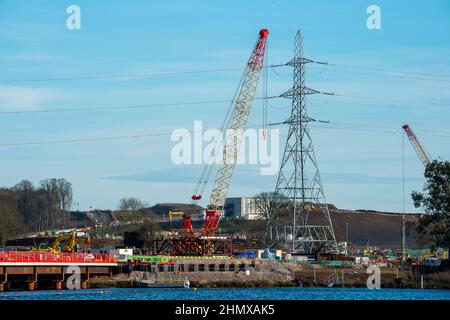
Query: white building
<point x="241" y="208"/>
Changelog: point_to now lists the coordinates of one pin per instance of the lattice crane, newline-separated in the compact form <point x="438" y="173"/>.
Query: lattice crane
<point x="416" y="145"/>
<point x="236" y="124"/>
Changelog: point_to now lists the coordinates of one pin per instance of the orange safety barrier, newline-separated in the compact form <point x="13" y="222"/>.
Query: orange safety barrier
<point x="48" y="257"/>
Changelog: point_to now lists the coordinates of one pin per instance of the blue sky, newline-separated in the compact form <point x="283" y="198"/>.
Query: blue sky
<point x="359" y="155"/>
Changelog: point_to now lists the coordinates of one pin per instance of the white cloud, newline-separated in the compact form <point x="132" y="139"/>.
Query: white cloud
<point x="13" y="98"/>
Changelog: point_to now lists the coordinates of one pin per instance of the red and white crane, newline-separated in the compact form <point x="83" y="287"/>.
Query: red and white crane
<point x="416" y="145"/>
<point x="236" y="123"/>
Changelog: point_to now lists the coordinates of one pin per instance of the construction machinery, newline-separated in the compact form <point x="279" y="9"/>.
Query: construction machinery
<point x="236" y="124"/>
<point x="174" y="213"/>
<point x="423" y="156"/>
<point x="425" y="256"/>
<point x="68" y="242"/>
<point x="204" y="241"/>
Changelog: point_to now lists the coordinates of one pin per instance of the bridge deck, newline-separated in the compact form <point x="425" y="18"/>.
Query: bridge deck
<point x="34" y="258"/>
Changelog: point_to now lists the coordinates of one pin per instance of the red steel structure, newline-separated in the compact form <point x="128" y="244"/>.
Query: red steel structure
<point x="34" y="257"/>
<point x="204" y="241"/>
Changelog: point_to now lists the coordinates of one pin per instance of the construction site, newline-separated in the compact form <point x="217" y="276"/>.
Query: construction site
<point x="303" y="240"/>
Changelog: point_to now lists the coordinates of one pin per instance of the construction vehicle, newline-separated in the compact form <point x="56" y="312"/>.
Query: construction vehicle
<point x="174" y="213"/>
<point x="423" y="156"/>
<point x="68" y="242"/>
<point x="204" y="241"/>
<point x="426" y="256"/>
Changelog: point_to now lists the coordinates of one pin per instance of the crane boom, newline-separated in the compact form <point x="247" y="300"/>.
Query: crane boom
<point x="234" y="133"/>
<point x="416" y="145"/>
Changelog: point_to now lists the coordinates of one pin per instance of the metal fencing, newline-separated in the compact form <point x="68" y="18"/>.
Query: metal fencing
<point x="48" y="257"/>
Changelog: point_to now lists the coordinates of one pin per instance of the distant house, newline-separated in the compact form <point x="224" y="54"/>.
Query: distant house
<point x="103" y="217"/>
<point x="241" y="208"/>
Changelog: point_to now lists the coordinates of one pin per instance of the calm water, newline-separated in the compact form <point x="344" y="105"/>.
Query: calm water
<point x="232" y="294"/>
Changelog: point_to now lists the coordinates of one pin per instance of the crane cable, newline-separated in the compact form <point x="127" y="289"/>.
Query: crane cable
<point x="207" y="168"/>
<point x="264" y="89"/>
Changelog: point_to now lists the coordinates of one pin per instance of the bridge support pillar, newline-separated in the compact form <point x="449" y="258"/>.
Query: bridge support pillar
<point x="31" y="285"/>
<point x="58" y="284"/>
<point x="4" y="284"/>
<point x="84" y="283"/>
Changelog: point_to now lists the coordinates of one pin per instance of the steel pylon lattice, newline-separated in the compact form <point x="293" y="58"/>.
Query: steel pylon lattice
<point x="299" y="180"/>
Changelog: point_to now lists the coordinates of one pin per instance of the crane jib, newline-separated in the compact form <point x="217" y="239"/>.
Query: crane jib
<point x="421" y="153"/>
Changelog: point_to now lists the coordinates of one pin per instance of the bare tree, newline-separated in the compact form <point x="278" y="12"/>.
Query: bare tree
<point x="65" y="198"/>
<point x="9" y="222"/>
<point x="49" y="186"/>
<point x="41" y="209"/>
<point x="24" y="191"/>
<point x="269" y="206"/>
<point x="58" y="196"/>
<point x="131" y="204"/>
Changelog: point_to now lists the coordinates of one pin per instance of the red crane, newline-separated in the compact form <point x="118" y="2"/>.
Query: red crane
<point x="237" y="122"/>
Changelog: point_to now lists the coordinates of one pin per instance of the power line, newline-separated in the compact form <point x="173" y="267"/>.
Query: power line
<point x="395" y="131"/>
<point x="84" y="139"/>
<point x="389" y="70"/>
<point x="390" y="99"/>
<point x="141" y="75"/>
<point x="331" y="125"/>
<point x="385" y="104"/>
<point x="142" y="106"/>
<point x="385" y="75"/>
<point x="200" y="102"/>
<point x="135" y="136"/>
<point x="134" y="75"/>
<point x="115" y="107"/>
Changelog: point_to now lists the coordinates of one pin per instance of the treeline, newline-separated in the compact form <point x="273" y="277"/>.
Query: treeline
<point x="29" y="208"/>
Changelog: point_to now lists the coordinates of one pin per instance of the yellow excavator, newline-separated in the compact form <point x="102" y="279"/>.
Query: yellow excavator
<point x="174" y="213"/>
<point x="425" y="256"/>
<point x="66" y="243"/>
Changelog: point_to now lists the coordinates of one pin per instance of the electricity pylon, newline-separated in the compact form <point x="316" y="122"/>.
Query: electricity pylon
<point x="299" y="181"/>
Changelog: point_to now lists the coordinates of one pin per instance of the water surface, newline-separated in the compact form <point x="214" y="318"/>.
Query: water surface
<point x="231" y="294"/>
